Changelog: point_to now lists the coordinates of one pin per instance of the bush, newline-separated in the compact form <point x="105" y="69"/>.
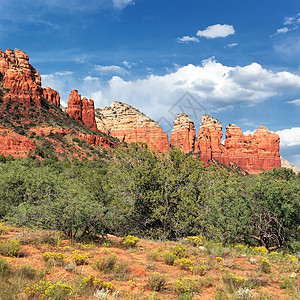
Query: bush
<point x="5" y="268"/>
<point x="29" y="272"/>
<point x="179" y="250"/>
<point x="46" y="289"/>
<point x="54" y="258"/>
<point x="91" y="282"/>
<point x="199" y="270"/>
<point x="10" y="248"/>
<point x="186" y="285"/>
<point x="265" y="266"/>
<point x="233" y="282"/>
<point x="168" y="258"/>
<point x="106" y="264"/>
<point x="196" y="241"/>
<point x="156" y="282"/>
<point x="130" y="241"/>
<point x="79" y="259"/>
<point x="183" y="263"/>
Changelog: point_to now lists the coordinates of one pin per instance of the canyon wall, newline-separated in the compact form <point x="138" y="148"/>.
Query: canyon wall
<point x="21" y="81"/>
<point x="130" y="125"/>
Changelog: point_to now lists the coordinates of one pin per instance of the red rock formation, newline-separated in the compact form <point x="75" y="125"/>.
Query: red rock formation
<point x="183" y="133"/>
<point x="14" y="144"/>
<point x="130" y="125"/>
<point x="82" y="111"/>
<point x="22" y="81"/>
<point x="52" y="96"/>
<point x="253" y="154"/>
<point x="208" y="142"/>
<point x="88" y="113"/>
<point x="75" y="106"/>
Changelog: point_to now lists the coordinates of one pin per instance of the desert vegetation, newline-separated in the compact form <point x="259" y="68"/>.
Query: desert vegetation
<point x="142" y="225"/>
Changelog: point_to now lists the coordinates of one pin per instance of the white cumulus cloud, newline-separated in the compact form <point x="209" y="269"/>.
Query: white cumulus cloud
<point x="215" y="31"/>
<point x="215" y="85"/>
<point x="289" y="137"/>
<point x="296" y="102"/>
<point x="187" y="39"/>
<point x="120" y="4"/>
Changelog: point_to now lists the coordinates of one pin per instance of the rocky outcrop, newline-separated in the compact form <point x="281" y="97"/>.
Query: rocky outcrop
<point x="287" y="164"/>
<point x="130" y="125"/>
<point x="88" y="113"/>
<point x="52" y="96"/>
<point x="82" y="110"/>
<point x="183" y="133"/>
<point x="208" y="142"/>
<point x="253" y="153"/>
<point x="21" y="81"/>
<point x="14" y="144"/>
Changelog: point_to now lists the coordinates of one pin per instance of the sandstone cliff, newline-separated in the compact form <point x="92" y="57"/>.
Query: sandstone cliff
<point x="81" y="110"/>
<point x="287" y="164"/>
<point x="21" y="81"/>
<point x="130" y="125"/>
<point x="183" y="133"/>
<point x="208" y="142"/>
<point x="253" y="153"/>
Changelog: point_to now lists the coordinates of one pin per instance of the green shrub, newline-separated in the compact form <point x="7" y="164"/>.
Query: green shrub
<point x="5" y="268"/>
<point x="233" y="282"/>
<point x="184" y="263"/>
<point x="10" y="248"/>
<point x="107" y="263"/>
<point x="79" y="259"/>
<point x="29" y="272"/>
<point x="265" y="266"/>
<point x="168" y="258"/>
<point x="186" y="285"/>
<point x="179" y="250"/>
<point x="54" y="258"/>
<point x="196" y="241"/>
<point x="130" y="241"/>
<point x="156" y="282"/>
<point x="199" y="270"/>
<point x="46" y="289"/>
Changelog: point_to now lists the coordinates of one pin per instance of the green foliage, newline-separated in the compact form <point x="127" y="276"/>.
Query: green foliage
<point x="156" y="282"/>
<point x="79" y="259"/>
<point x="5" y="268"/>
<point x="199" y="270"/>
<point x="186" y="285"/>
<point x="184" y="263"/>
<point x="265" y="265"/>
<point x="130" y="241"/>
<point x="106" y="263"/>
<point x="10" y="248"/>
<point x="169" y="258"/>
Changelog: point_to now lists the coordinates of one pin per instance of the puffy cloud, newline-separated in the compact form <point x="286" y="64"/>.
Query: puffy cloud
<point x="120" y="4"/>
<point x="215" y="31"/>
<point x="282" y="30"/>
<point x="187" y="39"/>
<point x="296" y="102"/>
<point x="289" y="137"/>
<point x="214" y="85"/>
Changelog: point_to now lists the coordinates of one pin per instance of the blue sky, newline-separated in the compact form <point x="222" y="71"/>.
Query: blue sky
<point x="238" y="60"/>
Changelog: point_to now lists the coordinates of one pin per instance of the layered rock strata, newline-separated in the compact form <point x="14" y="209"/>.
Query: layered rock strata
<point x="21" y="81"/>
<point x="130" y="125"/>
<point x="183" y="133"/>
<point x="82" y="110"/>
<point x="14" y="144"/>
<point x="253" y="153"/>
